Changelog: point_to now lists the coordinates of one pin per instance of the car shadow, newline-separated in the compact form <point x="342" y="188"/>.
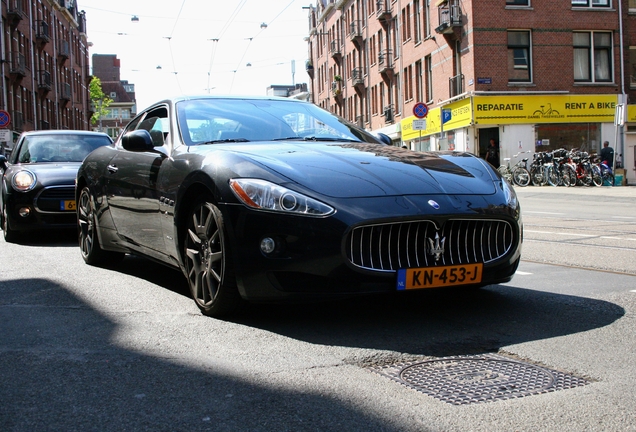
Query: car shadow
<point x="62" y="370"/>
<point x="435" y="323"/>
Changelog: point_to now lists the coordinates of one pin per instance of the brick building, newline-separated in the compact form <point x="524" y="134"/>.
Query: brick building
<point x="107" y="67"/>
<point x="45" y="65"/>
<point x="534" y="75"/>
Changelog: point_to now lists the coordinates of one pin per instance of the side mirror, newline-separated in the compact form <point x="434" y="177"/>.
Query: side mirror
<point x="384" y="138"/>
<point x="137" y="140"/>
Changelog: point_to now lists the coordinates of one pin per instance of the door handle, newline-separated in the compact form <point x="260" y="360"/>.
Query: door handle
<point x="112" y="169"/>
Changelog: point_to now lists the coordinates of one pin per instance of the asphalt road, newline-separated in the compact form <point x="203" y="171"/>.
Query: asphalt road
<point x="94" y="349"/>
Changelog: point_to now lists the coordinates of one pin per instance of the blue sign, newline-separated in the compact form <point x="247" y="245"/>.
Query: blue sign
<point x="446" y="116"/>
<point x="484" y="80"/>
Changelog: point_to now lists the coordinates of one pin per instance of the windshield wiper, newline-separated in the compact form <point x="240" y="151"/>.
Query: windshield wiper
<point x="315" y="138"/>
<point x="227" y="140"/>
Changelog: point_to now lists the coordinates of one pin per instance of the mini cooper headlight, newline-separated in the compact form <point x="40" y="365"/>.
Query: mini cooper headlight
<point x="23" y="181"/>
<point x="264" y="195"/>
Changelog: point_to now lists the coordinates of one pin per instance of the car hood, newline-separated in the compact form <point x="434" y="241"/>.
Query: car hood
<point x="50" y="173"/>
<point x="367" y="170"/>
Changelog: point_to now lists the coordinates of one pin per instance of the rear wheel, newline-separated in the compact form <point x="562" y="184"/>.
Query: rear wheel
<point x="608" y="178"/>
<point x="92" y="253"/>
<point x="207" y="261"/>
<point x="554" y="178"/>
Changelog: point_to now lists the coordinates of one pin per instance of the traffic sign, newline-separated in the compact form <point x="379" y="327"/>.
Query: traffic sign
<point x="5" y="119"/>
<point x="420" y="110"/>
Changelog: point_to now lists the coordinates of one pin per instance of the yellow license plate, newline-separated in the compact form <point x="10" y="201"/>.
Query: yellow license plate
<point x="67" y="205"/>
<point x="435" y="277"/>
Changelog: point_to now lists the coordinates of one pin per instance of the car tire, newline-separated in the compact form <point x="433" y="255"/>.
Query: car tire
<point x="10" y="236"/>
<point x="207" y="261"/>
<point x="92" y="253"/>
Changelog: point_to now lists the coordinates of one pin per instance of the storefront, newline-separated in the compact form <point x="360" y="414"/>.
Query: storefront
<point x="518" y="123"/>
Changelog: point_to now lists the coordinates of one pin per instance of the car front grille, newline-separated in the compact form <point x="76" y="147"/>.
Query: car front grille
<point x="392" y="246"/>
<point x="50" y="199"/>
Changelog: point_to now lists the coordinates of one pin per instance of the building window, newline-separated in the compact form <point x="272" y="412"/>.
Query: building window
<point x="632" y="66"/>
<point x="592" y="56"/>
<point x="418" y="81"/>
<point x="632" y="6"/>
<point x="417" y="23"/>
<point x="517" y="2"/>
<point x="427" y="18"/>
<point x="428" y="79"/>
<point x="519" y="60"/>
<point x="591" y="3"/>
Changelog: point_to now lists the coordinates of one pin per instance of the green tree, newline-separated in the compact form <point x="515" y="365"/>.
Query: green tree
<point x="99" y="100"/>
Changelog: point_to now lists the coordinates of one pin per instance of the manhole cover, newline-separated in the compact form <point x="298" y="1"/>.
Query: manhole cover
<point x="476" y="379"/>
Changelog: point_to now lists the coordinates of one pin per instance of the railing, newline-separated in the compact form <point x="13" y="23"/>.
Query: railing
<point x="42" y="31"/>
<point x="18" y="63"/>
<point x="355" y="30"/>
<point x="357" y="77"/>
<point x="334" y="48"/>
<point x="456" y="85"/>
<point x="450" y="15"/>
<point x="65" y="92"/>
<point x="44" y="80"/>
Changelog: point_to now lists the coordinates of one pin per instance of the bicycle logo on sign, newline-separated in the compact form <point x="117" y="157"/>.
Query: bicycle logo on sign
<point x="546" y="112"/>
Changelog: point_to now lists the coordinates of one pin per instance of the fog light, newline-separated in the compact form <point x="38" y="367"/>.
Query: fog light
<point x="24" y="212"/>
<point x="268" y="245"/>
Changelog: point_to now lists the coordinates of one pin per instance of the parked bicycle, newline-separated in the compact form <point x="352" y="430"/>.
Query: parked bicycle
<point x="517" y="174"/>
<point x="607" y="176"/>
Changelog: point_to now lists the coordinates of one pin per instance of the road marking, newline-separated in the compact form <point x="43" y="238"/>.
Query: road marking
<point x="632" y="291"/>
<point x="522" y="273"/>
<point x="560" y="233"/>
<point x="623" y="217"/>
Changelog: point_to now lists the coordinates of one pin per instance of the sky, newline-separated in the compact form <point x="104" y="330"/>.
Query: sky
<point x="179" y="47"/>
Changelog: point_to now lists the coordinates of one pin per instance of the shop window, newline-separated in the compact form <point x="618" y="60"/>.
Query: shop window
<point x="519" y="60"/>
<point x="592" y="56"/>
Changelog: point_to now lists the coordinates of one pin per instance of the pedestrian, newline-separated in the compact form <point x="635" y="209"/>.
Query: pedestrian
<point x="492" y="153"/>
<point x="607" y="154"/>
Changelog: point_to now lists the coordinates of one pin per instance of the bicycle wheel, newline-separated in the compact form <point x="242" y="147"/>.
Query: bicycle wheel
<point x="521" y="176"/>
<point x="554" y="177"/>
<point x="568" y="175"/>
<point x="537" y="177"/>
<point x="597" y="179"/>
<point x="505" y="173"/>
<point x="608" y="179"/>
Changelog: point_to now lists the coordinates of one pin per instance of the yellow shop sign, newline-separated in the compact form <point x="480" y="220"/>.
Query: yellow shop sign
<point x="433" y="125"/>
<point x="631" y="113"/>
<point x="544" y="109"/>
<point x="457" y="114"/>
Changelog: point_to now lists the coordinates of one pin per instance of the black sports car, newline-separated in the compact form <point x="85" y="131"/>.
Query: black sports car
<point x="271" y="199"/>
<point x="38" y="180"/>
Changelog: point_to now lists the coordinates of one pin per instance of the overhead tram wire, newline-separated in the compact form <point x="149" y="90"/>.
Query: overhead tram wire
<point x="250" y="42"/>
<point x="174" y="68"/>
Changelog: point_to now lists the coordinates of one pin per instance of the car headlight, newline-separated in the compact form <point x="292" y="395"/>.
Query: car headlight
<point x="23" y="181"/>
<point x="264" y="195"/>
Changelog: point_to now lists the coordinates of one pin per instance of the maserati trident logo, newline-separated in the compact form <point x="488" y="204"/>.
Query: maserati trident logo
<point x="436" y="247"/>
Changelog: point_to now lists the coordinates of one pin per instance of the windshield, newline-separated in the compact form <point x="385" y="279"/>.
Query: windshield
<point x="58" y="148"/>
<point x="204" y="121"/>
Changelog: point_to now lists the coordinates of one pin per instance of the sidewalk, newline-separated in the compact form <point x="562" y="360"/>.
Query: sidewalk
<point x="604" y="191"/>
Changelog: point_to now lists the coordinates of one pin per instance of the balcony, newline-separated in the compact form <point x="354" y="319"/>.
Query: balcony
<point x="17" y="64"/>
<point x="385" y="63"/>
<point x="336" y="88"/>
<point x="16" y="11"/>
<point x="42" y="33"/>
<point x="450" y="15"/>
<point x="44" y="125"/>
<point x="355" y="32"/>
<point x="44" y="81"/>
<point x="64" y="51"/>
<point x="357" y="78"/>
<point x="388" y="114"/>
<point x="383" y="11"/>
<point x="335" y="50"/>
<point x="456" y="85"/>
<point x="65" y="92"/>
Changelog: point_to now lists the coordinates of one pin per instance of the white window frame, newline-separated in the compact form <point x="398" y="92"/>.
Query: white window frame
<point x="592" y="61"/>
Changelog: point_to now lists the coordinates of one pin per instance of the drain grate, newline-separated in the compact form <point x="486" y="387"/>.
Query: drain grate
<point x="475" y="379"/>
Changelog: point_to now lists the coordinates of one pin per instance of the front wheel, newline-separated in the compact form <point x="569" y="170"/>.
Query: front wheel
<point x="92" y="253"/>
<point x="207" y="261"/>
<point x="597" y="179"/>
<point x="521" y="176"/>
<point x="10" y="236"/>
<point x="608" y="178"/>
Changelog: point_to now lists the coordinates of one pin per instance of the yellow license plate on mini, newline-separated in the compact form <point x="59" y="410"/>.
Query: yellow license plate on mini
<point x="436" y="277"/>
<point x="67" y="205"/>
